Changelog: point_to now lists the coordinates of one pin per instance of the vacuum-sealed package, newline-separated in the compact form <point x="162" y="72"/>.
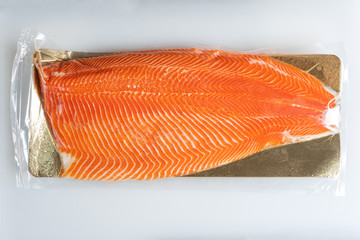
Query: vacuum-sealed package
<point x="197" y="112"/>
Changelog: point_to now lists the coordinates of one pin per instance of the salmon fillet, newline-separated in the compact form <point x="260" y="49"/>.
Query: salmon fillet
<point x="163" y="113"/>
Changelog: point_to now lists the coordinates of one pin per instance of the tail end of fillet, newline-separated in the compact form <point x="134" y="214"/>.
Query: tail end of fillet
<point x="332" y="119"/>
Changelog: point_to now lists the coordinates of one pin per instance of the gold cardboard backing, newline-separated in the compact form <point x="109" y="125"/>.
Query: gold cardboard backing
<point x="316" y="158"/>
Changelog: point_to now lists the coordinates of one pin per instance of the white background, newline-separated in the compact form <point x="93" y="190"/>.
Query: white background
<point x="102" y="212"/>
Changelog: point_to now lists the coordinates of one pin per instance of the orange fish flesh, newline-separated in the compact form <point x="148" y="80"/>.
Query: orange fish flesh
<point x="164" y="113"/>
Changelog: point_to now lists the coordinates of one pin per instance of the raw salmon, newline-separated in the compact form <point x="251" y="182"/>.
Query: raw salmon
<point x="163" y="113"/>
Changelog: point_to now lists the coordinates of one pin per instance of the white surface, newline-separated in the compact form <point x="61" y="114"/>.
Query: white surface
<point x="103" y="212"/>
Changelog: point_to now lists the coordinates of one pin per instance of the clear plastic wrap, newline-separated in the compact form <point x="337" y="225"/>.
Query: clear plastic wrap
<point x="22" y="110"/>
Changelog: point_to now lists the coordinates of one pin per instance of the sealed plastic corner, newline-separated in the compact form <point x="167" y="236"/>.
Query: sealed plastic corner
<point x="303" y="165"/>
<point x="21" y="85"/>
